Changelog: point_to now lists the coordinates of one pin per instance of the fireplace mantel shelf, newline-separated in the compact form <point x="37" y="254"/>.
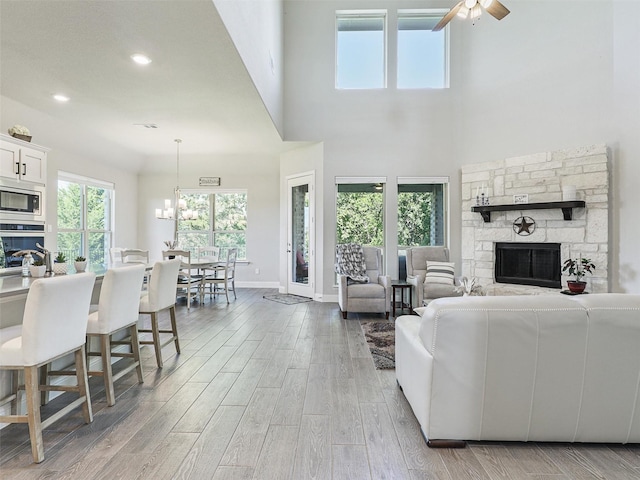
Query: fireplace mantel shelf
<point x="567" y="208"/>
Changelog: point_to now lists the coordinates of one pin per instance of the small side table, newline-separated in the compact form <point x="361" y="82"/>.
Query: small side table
<point x="402" y="286"/>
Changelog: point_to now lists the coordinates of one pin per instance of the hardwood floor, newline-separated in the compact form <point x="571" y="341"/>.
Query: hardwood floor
<point x="271" y="391"/>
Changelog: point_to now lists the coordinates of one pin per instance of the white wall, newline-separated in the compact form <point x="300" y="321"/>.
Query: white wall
<point x="255" y="26"/>
<point x="77" y="151"/>
<point x="257" y="174"/>
<point x="546" y="77"/>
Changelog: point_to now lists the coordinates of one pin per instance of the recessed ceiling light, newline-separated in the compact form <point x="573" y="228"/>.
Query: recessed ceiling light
<point x="60" y="97"/>
<point x="140" y="59"/>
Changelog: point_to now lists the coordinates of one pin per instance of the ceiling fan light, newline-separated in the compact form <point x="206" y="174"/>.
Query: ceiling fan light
<point x="486" y="3"/>
<point x="476" y="11"/>
<point x="470" y="3"/>
<point x="463" y="12"/>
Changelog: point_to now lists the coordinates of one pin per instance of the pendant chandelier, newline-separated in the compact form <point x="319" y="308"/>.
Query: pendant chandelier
<point x="178" y="208"/>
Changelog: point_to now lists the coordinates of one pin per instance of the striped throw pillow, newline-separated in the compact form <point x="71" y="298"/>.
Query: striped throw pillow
<point x="440" y="272"/>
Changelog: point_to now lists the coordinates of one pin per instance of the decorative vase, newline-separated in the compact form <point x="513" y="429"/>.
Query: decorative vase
<point x="575" y="286"/>
<point x="37" y="270"/>
<point x="80" y="266"/>
<point x="60" y="268"/>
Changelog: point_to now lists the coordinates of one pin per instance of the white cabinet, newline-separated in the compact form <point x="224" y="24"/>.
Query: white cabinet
<point x="22" y="161"/>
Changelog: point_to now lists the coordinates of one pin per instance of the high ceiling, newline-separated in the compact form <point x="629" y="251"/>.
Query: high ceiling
<point x="196" y="87"/>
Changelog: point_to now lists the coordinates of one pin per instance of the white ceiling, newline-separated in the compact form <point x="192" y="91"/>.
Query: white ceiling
<point x="196" y="87"/>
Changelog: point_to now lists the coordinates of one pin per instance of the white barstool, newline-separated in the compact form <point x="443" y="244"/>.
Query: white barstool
<point x="161" y="296"/>
<point x="54" y="324"/>
<point x="117" y="310"/>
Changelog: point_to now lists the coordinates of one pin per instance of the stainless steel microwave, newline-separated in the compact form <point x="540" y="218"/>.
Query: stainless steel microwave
<point x="21" y="203"/>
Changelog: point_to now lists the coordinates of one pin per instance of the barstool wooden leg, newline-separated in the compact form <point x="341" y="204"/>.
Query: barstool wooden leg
<point x="174" y="327"/>
<point x="155" y="331"/>
<point x="107" y="372"/>
<point x="15" y="389"/>
<point x="44" y="380"/>
<point x="83" y="384"/>
<point x="135" y="350"/>
<point x="32" y="386"/>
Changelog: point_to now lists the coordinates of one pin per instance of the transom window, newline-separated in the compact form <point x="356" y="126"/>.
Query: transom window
<point x="422" y="54"/>
<point x="221" y="222"/>
<point x="360" y="49"/>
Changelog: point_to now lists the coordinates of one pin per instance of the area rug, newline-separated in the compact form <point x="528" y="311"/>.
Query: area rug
<point x="381" y="337"/>
<point x="287" y="298"/>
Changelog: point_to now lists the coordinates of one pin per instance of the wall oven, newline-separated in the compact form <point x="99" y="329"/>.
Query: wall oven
<point x="21" y="203"/>
<point x="15" y="237"/>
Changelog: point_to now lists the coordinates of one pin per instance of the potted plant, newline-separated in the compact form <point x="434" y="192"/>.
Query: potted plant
<point x="37" y="268"/>
<point x="60" y="264"/>
<point x="80" y="264"/>
<point x="578" y="268"/>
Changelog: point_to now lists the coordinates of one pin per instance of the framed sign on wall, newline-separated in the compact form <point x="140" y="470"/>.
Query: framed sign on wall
<point x="209" y="181"/>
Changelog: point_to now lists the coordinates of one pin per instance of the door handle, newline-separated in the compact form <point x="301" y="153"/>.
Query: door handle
<point x="17" y="172"/>
<point x="24" y="169"/>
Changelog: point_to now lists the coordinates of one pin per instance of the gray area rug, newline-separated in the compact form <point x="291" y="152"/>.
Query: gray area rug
<point x="381" y="339"/>
<point x="287" y="298"/>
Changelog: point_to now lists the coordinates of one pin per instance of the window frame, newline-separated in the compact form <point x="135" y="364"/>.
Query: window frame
<point x="436" y="14"/>
<point x="446" y="198"/>
<point x="212" y="232"/>
<point x="366" y="13"/>
<point x="83" y="230"/>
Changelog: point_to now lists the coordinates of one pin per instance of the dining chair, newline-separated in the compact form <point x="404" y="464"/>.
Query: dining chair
<point x="115" y="254"/>
<point x="54" y="324"/>
<point x="161" y="296"/>
<point x="224" y="276"/>
<point x="134" y="255"/>
<point x="187" y="281"/>
<point x="209" y="253"/>
<point x="117" y="310"/>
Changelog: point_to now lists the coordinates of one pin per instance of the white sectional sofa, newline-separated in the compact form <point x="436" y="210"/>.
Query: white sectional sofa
<point x="523" y="368"/>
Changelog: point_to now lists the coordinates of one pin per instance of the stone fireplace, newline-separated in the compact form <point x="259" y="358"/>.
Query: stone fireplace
<point x="542" y="178"/>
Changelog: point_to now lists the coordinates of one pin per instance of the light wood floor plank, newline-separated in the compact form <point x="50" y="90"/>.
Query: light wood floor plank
<point x="204" y="457"/>
<point x="277" y="453"/>
<point x="240" y="357"/>
<point x="318" y="397"/>
<point x="346" y="422"/>
<point x="350" y="462"/>
<point x="290" y="403"/>
<point x="213" y="365"/>
<point x="225" y="472"/>
<point x="201" y="411"/>
<point x="243" y="388"/>
<point x="385" y="457"/>
<point x="276" y="370"/>
<point x="246" y="443"/>
<point x="313" y="453"/>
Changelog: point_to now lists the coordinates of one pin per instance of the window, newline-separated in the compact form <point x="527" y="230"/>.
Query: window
<point x="422" y="54"/>
<point x="422" y="212"/>
<point x="360" y="49"/>
<point x="360" y="213"/>
<point x="85" y="209"/>
<point x="221" y="222"/>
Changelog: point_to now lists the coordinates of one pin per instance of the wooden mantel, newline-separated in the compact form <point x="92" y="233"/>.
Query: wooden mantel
<point x="566" y="207"/>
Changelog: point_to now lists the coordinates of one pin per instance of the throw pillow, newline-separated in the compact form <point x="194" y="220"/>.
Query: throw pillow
<point x="440" y="272"/>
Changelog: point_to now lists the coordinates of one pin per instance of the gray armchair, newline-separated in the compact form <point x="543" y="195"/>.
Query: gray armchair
<point x="417" y="269"/>
<point x="374" y="296"/>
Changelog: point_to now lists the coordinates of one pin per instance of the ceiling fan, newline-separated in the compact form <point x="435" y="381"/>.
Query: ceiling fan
<point x="473" y="9"/>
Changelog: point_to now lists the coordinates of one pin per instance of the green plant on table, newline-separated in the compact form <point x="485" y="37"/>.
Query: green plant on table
<point x="578" y="267"/>
<point x="80" y="258"/>
<point x="38" y="262"/>
<point x="61" y="258"/>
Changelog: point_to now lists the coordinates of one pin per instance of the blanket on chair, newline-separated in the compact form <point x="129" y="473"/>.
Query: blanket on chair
<point x="350" y="262"/>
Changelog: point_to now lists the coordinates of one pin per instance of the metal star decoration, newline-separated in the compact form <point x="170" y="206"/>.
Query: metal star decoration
<point x="524" y="226"/>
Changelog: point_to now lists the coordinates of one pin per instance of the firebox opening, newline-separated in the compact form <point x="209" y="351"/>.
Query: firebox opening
<point x="528" y="264"/>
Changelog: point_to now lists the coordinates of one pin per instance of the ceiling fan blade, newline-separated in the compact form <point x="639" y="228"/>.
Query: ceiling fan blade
<point x="497" y="9"/>
<point x="447" y="18"/>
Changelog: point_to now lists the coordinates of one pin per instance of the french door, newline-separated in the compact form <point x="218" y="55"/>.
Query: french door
<point x="301" y="234"/>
